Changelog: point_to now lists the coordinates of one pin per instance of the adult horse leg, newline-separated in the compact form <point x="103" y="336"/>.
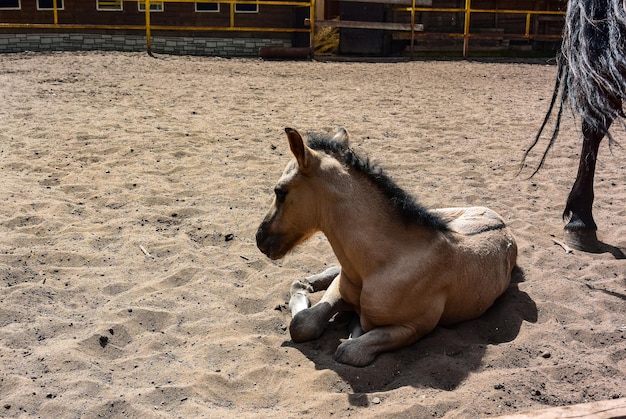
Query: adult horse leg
<point x="308" y="323"/>
<point x="581" y="228"/>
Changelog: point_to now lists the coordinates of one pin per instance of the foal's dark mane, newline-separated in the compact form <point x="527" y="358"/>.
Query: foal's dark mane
<point x="405" y="205"/>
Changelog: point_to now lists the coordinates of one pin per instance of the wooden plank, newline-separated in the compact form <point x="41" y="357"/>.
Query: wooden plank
<point x="604" y="409"/>
<point x="550" y="18"/>
<point x="389" y="26"/>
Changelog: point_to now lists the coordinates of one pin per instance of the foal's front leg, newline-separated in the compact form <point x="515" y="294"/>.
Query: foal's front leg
<point x="309" y="323"/>
<point x="300" y="289"/>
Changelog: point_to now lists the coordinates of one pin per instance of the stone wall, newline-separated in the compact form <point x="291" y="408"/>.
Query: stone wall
<point x="226" y="47"/>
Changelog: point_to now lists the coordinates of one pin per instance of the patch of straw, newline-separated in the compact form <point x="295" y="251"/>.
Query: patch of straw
<point x="326" y="40"/>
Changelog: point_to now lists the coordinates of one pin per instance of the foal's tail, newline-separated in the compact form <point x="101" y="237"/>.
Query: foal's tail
<point x="591" y="68"/>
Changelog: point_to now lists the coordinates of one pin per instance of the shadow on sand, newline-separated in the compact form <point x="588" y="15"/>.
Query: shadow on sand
<point x="441" y="360"/>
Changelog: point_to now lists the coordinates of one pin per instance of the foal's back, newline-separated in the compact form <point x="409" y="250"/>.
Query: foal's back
<point x="482" y="256"/>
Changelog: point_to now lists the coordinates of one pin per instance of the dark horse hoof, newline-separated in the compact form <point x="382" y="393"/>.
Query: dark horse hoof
<point x="584" y="240"/>
<point x="587" y="241"/>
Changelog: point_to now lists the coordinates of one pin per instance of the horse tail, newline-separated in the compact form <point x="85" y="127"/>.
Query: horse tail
<point x="591" y="73"/>
<point x="595" y="49"/>
<point x="559" y="95"/>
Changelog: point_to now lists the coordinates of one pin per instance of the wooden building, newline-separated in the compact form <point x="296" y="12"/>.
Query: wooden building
<point x="120" y="13"/>
<point x="177" y="26"/>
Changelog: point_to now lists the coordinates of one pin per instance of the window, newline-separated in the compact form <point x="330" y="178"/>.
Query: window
<point x="155" y="6"/>
<point x="10" y="4"/>
<point x="109" y="5"/>
<point x="207" y="7"/>
<point x="246" y="8"/>
<point x="49" y="5"/>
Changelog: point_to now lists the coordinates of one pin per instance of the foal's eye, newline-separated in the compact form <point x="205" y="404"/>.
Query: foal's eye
<point x="281" y="194"/>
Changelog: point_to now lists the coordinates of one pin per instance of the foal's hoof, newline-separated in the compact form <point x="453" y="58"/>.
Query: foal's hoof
<point x="305" y="326"/>
<point x="584" y="240"/>
<point x="352" y="353"/>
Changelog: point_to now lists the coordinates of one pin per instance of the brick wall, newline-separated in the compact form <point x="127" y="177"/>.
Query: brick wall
<point x="227" y="47"/>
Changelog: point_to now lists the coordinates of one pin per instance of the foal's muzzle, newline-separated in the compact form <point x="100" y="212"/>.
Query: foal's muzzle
<point x="264" y="241"/>
<point x="273" y="245"/>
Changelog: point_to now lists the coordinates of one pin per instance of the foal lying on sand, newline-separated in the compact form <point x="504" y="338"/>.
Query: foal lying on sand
<point x="404" y="269"/>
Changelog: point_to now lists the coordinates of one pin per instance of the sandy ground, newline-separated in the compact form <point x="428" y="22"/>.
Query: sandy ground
<point x="131" y="285"/>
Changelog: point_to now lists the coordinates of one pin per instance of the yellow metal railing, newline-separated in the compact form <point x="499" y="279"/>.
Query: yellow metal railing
<point x="468" y="10"/>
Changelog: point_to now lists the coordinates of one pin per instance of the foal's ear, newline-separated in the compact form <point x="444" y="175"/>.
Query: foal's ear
<point x="341" y="136"/>
<point x="298" y="148"/>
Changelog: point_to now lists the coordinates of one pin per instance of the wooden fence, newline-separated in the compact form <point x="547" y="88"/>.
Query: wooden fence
<point x="414" y="29"/>
<point x="417" y="30"/>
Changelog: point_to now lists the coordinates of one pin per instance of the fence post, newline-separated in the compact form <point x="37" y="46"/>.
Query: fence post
<point x="148" y="30"/>
<point x="232" y="15"/>
<point x="466" y="27"/>
<point x="312" y="28"/>
<point x="412" y="26"/>
<point x="55" y="12"/>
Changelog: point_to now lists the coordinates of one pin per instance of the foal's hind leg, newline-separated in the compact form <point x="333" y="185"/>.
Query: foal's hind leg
<point x="362" y="350"/>
<point x="309" y="323"/>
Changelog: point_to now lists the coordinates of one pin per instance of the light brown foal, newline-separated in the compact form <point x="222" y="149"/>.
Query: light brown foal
<point x="404" y="269"/>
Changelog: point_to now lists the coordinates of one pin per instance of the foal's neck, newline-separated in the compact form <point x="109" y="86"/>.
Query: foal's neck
<point x="366" y="232"/>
